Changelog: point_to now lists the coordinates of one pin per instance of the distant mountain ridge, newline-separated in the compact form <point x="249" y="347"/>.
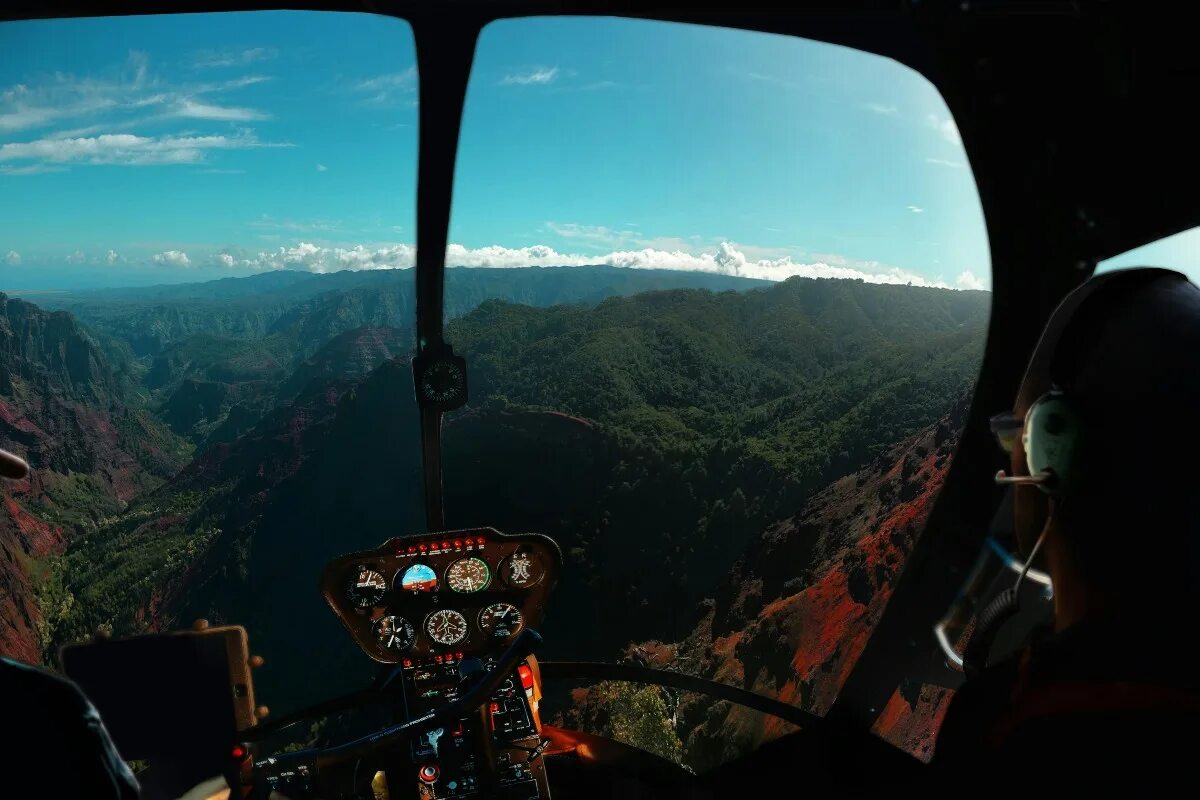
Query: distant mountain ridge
<point x="150" y="318"/>
<point x="212" y="356"/>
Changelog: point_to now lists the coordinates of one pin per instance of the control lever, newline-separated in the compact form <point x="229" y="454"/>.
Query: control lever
<point x="468" y="702"/>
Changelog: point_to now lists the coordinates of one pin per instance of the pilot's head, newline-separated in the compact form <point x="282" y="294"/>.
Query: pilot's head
<point x="1122" y="523"/>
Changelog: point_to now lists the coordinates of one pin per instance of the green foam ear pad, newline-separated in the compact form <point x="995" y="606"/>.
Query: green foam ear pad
<point x="1051" y="438"/>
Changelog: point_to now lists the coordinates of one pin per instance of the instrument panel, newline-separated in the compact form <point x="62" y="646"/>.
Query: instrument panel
<point x="451" y="593"/>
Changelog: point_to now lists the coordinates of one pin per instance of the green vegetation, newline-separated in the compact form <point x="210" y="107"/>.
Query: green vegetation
<point x="127" y="569"/>
<point x="708" y="416"/>
<point x="633" y="714"/>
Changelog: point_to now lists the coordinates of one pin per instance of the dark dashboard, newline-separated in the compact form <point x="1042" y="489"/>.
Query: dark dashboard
<point x="442" y="596"/>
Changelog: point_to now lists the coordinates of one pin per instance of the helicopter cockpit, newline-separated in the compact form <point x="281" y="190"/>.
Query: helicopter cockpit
<point x="529" y="399"/>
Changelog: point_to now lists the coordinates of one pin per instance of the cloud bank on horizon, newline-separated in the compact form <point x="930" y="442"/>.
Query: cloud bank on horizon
<point x="725" y="259"/>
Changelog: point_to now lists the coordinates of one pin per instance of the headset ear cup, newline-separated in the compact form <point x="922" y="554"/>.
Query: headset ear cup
<point x="1051" y="439"/>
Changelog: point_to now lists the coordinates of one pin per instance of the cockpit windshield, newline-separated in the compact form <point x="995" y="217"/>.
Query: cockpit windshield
<point x="208" y="316"/>
<point x="721" y="296"/>
<point x="751" y="309"/>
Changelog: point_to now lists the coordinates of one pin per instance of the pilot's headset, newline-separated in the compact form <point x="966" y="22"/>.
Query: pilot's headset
<point x="1053" y="433"/>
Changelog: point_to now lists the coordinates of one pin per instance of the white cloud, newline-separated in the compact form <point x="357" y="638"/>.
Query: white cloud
<point x="111" y="257"/>
<point x="13" y="258"/>
<point x="593" y="234"/>
<point x="387" y="89"/>
<point x="115" y="99"/>
<point x="76" y="258"/>
<point x="322" y="168"/>
<point x="773" y="79"/>
<point x="946" y="127"/>
<point x="916" y="210"/>
<point x="967" y="280"/>
<point x="173" y="258"/>
<point x="882" y="109"/>
<point x="31" y="169"/>
<point x="945" y="162"/>
<point x="187" y="108"/>
<point x="726" y="259"/>
<point x="267" y="222"/>
<point x="532" y="76"/>
<point x="233" y="58"/>
<point x="126" y="148"/>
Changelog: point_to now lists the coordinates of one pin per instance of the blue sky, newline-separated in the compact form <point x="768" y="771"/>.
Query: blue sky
<point x="163" y="149"/>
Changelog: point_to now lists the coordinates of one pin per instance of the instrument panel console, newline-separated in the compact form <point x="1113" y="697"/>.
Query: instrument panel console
<point x="454" y="593"/>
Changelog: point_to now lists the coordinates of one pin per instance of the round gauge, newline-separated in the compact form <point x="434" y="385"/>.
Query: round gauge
<point x="419" y="578"/>
<point x="468" y="575"/>
<point x="366" y="587"/>
<point x="522" y="570"/>
<point x="446" y="627"/>
<point x="394" y="633"/>
<point x="500" y="621"/>
<point x="443" y="382"/>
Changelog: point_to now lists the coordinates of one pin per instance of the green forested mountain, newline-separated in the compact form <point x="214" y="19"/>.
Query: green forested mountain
<point x="807" y="376"/>
<point x="653" y="436"/>
<point x="708" y="417"/>
<point x="212" y="357"/>
<point x="309" y="308"/>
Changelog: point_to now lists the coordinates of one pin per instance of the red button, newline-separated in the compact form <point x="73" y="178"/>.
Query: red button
<point x="526" y="676"/>
<point x="429" y="773"/>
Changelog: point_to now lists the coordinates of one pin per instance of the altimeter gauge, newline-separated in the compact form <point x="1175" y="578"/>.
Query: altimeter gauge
<point x="394" y="633"/>
<point x="446" y="627"/>
<point x="468" y="575"/>
<point x="500" y="621"/>
<point x="366" y="587"/>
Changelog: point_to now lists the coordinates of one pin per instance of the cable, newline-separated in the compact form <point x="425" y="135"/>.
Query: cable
<point x="1003" y="608"/>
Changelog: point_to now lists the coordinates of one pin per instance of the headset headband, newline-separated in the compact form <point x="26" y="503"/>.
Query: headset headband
<point x="1082" y="311"/>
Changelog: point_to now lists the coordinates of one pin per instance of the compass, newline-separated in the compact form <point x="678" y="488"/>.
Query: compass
<point x="441" y="381"/>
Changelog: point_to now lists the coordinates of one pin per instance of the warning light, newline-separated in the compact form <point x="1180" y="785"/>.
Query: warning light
<point x="470" y="541"/>
<point x="408" y="662"/>
<point x="526" y="676"/>
<point x="494" y="708"/>
<point x="460" y="655"/>
<point x="422" y="548"/>
<point x="412" y="548"/>
<point x="446" y="545"/>
<point x="438" y="659"/>
<point x="480" y="539"/>
<point x="458" y="544"/>
<point x="238" y="752"/>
